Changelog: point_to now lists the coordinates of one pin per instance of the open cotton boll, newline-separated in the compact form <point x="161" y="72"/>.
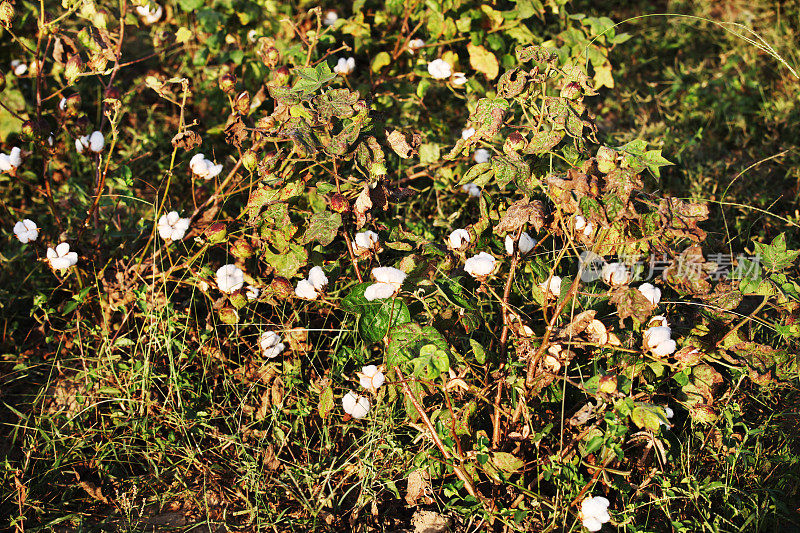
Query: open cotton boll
<point x="392" y="276"/>
<point x="482" y="155"/>
<point x="26" y="231"/>
<point x="204" y="168"/>
<point x="331" y="16"/>
<point x="481" y="265"/>
<point x="594" y="513"/>
<point x="651" y="292"/>
<point x="345" y="66"/>
<point x="655" y="336"/>
<point x="230" y="278"/>
<point x="96" y="142"/>
<point x="252" y="293"/>
<point x="552" y="288"/>
<point x="615" y="274"/>
<point x="61" y="258"/>
<point x="371" y="378"/>
<point x="365" y="241"/>
<point x="172" y="226"/>
<point x="440" y="69"/>
<point x="459" y="79"/>
<point x="467" y="133"/>
<point x="271" y="345"/>
<point x="471" y="189"/>
<point x="664" y="348"/>
<point x="525" y="245"/>
<point x="379" y="291"/>
<point x="306" y="290"/>
<point x="19" y="67"/>
<point x="15" y="157"/>
<point x="317" y="278"/>
<point x="415" y="44"/>
<point x="355" y="405"/>
<point x="149" y="16"/>
<point x="458" y="239"/>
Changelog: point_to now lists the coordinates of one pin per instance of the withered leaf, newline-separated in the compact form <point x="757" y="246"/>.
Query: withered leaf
<point x="631" y="303"/>
<point x="520" y="213"/>
<point x="401" y="145"/>
<point x="187" y="140"/>
<point x="235" y="131"/>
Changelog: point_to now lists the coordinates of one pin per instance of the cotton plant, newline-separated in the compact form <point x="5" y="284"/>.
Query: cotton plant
<point x="230" y="278"/>
<point x="480" y="266"/>
<point x="61" y="258"/>
<point x="651" y="292"/>
<point x="309" y="288"/>
<point x="149" y="15"/>
<point x="482" y="155"/>
<point x="524" y="245"/>
<point x="355" y="405"/>
<point x="172" y="227"/>
<point x="371" y="378"/>
<point x="389" y="280"/>
<point x="345" y="66"/>
<point x="458" y="239"/>
<point x="26" y="231"/>
<point x="204" y="168"/>
<point x="11" y="160"/>
<point x="271" y="345"/>
<point x="94" y="142"/>
<point x="594" y="512"/>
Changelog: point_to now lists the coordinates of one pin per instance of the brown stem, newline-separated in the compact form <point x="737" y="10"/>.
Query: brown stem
<point x="457" y="468"/>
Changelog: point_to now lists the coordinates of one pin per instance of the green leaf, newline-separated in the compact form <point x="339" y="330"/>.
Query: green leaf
<point x="380" y="61"/>
<point x="647" y="416"/>
<point x="431" y="363"/>
<point x="310" y="79"/>
<point x="287" y="264"/>
<point x="326" y="402"/>
<point x="479" y="174"/>
<point x="544" y="141"/>
<point x="775" y="256"/>
<point x="323" y="227"/>
<point x="483" y="61"/>
<point x="507" y="462"/>
<point x="429" y="153"/>
<point x="507" y="169"/>
<point x="478" y="351"/>
<point x="406" y="341"/>
<point x="377" y="319"/>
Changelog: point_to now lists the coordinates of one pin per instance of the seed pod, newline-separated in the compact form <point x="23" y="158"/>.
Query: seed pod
<point x="6" y="13"/>
<point x="281" y="287"/>
<point x="243" y="103"/>
<point x="216" y="232"/>
<point x="339" y="203"/>
<point x="227" y="82"/>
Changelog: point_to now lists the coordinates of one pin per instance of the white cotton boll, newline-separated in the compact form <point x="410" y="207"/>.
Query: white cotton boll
<point x="482" y="155"/>
<point x="305" y="290"/>
<point x="371" y="378"/>
<point x="366" y="240"/>
<point x="471" y="189"/>
<point x="665" y="348"/>
<point x="481" y="265"/>
<point x="26" y="231"/>
<point x="330" y="18"/>
<point x="230" y="278"/>
<point x="580" y="222"/>
<point x="440" y="69"/>
<point x="317" y="278"/>
<point x="271" y="345"/>
<point x="171" y="226"/>
<point x="252" y="293"/>
<point x="526" y="243"/>
<point x="149" y="16"/>
<point x="467" y="133"/>
<point x="61" y="258"/>
<point x="655" y="336"/>
<point x="668" y="412"/>
<point x="459" y="79"/>
<point x="204" y="168"/>
<point x="552" y="288"/>
<point x="379" y="291"/>
<point x="392" y="276"/>
<point x="81" y="144"/>
<point x="587" y="231"/>
<point x="651" y="292"/>
<point x="96" y="142"/>
<point x="594" y="513"/>
<point x="458" y="239"/>
<point x="615" y="274"/>
<point x="5" y="163"/>
<point x="252" y="36"/>
<point x="15" y="157"/>
<point x="415" y="44"/>
<point x="355" y="405"/>
<point x="345" y="66"/>
<point x="19" y="67"/>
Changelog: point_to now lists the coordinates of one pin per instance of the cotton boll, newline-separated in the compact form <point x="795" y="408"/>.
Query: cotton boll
<point x="415" y="44"/>
<point x="252" y="293"/>
<point x="96" y="142"/>
<point x="330" y="18"/>
<point x="655" y="336"/>
<point x="15" y="157"/>
<point x="482" y="155"/>
<point x="615" y="274"/>
<point x="171" y="226"/>
<point x="458" y="239"/>
<point x="525" y="244"/>
<point x="459" y="79"/>
<point x="371" y="378"/>
<point x="651" y="292"/>
<point x="392" y="276"/>
<point x="355" y="405"/>
<point x="61" y="258"/>
<point x="471" y="189"/>
<point x="481" y="265"/>
<point x="665" y="348"/>
<point x="594" y="513"/>
<point x="365" y="241"/>
<point x="552" y="288"/>
<point x="345" y="66"/>
<point x="306" y="290"/>
<point x="317" y="278"/>
<point x="271" y="345"/>
<point x="26" y="231"/>
<point x="467" y="133"/>
<point x="230" y="278"/>
<point x="440" y="69"/>
<point x="204" y="168"/>
<point x="149" y="16"/>
<point x="379" y="291"/>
